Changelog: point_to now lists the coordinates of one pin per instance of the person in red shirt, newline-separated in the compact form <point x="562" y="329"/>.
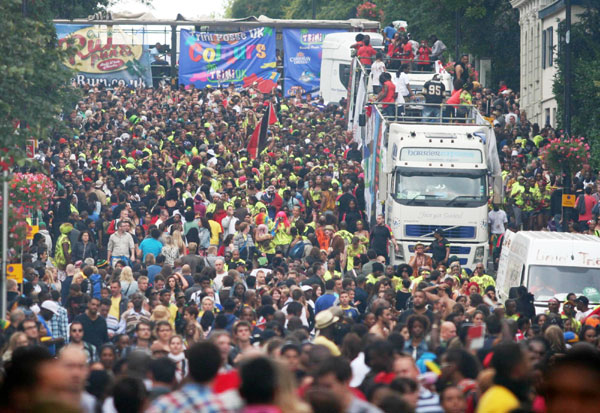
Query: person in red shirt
<point x="585" y="204"/>
<point x="366" y="52"/>
<point x="394" y="51"/>
<point x="407" y="52"/>
<point x="387" y="94"/>
<point x="423" y="54"/>
<point x="359" y="41"/>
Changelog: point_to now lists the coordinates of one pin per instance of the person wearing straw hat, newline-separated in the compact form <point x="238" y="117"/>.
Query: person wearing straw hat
<point x="325" y="326"/>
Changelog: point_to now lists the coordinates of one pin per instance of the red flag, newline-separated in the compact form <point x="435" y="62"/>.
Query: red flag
<point x="272" y="115"/>
<point x="258" y="140"/>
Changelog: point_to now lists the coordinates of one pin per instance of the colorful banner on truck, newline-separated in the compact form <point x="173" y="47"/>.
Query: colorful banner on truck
<point x="105" y="55"/>
<point x="372" y="147"/>
<point x="216" y="59"/>
<point x="302" y="64"/>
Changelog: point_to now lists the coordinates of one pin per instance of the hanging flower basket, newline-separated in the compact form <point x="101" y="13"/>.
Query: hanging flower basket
<point x="566" y="152"/>
<point x="28" y="193"/>
<point x="369" y="11"/>
<point x="31" y="191"/>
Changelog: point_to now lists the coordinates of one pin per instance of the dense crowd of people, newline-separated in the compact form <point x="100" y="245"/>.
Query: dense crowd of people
<point x="173" y="272"/>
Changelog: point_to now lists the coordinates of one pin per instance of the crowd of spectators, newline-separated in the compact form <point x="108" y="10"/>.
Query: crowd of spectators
<point x="172" y="272"/>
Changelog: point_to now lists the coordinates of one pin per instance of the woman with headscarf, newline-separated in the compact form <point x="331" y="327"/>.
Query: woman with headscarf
<point x="281" y="231"/>
<point x="264" y="241"/>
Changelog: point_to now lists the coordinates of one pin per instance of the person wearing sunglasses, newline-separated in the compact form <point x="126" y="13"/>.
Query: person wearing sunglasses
<point x="76" y="339"/>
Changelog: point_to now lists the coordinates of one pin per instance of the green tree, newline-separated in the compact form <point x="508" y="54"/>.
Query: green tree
<point x="295" y="9"/>
<point x="34" y="86"/>
<point x="238" y="9"/>
<point x="585" y="78"/>
<point x="65" y="9"/>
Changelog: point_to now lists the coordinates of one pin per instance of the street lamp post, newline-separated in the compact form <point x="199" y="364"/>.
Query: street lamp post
<point x="568" y="73"/>
<point x="567" y="101"/>
<point x="4" y="245"/>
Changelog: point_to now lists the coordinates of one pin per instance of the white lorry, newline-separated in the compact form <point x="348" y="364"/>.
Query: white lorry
<point x="550" y="264"/>
<point x="427" y="173"/>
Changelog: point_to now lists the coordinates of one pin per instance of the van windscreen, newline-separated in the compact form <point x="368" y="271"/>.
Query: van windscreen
<point x="546" y="282"/>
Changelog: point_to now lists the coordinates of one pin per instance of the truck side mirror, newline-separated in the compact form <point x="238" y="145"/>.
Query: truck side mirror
<point x="362" y="120"/>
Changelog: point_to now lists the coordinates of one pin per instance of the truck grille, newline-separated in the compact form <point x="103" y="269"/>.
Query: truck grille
<point x="460" y="250"/>
<point x="454" y="232"/>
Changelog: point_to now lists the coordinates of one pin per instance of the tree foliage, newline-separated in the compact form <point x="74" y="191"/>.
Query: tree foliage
<point x="585" y="80"/>
<point x="34" y="86"/>
<point x="65" y="9"/>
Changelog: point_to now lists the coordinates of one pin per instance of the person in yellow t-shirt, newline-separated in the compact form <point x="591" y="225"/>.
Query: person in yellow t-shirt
<point x="216" y="230"/>
<point x="511" y="386"/>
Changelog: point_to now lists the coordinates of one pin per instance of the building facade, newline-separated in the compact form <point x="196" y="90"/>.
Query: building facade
<point x="539" y="21"/>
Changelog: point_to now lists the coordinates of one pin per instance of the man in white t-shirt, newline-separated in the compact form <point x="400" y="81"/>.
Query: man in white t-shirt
<point x="497" y="219"/>
<point x="221" y="273"/>
<point x="583" y="309"/>
<point x="402" y="85"/>
<point x="377" y="69"/>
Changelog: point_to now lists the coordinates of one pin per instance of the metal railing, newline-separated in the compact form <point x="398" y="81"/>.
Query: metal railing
<point x="428" y="113"/>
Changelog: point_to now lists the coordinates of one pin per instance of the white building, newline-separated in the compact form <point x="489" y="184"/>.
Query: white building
<point x="539" y="21"/>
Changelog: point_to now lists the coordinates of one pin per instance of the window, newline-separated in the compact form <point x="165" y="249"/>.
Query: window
<point x="440" y="188"/>
<point x="544" y="49"/>
<point x="550" y="43"/>
<point x="344" y="74"/>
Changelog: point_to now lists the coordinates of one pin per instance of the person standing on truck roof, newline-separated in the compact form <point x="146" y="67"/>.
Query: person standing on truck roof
<point x="381" y="235"/>
<point x="388" y="33"/>
<point x="440" y="248"/>
<point x="423" y="56"/>
<point x="376" y="70"/>
<point x="438" y="48"/>
<point x="402" y="84"/>
<point x="366" y="52"/>
<point x="359" y="41"/>
<point x="461" y="71"/>
<point x="387" y="94"/>
<point x="434" y="96"/>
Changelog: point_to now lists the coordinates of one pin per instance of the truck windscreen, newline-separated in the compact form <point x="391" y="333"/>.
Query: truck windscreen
<point x="440" y="189"/>
<point x="547" y="281"/>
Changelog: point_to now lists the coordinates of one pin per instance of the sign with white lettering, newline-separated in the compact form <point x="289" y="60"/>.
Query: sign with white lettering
<point x="441" y="155"/>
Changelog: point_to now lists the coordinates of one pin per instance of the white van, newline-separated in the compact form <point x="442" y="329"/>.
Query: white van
<point x="336" y="61"/>
<point x="550" y="264"/>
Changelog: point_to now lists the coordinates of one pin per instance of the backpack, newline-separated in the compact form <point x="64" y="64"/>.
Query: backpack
<point x="297" y="251"/>
<point x="301" y="202"/>
<point x="95" y="285"/>
<point x="581" y="205"/>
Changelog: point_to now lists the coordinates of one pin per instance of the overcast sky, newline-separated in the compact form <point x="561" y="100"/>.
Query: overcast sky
<point x="168" y="9"/>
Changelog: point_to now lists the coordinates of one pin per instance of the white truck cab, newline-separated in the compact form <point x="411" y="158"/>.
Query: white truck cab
<point x="550" y="264"/>
<point x="437" y="177"/>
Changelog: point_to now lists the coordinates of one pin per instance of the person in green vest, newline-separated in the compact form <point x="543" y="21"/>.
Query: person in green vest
<point x="482" y="279"/>
<point x="62" y="253"/>
<point x="516" y="192"/>
<point x="281" y="231"/>
<point x="331" y="273"/>
<point x="353" y="250"/>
